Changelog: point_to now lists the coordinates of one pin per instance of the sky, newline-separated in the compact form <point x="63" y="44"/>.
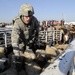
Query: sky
<point x="44" y="9"/>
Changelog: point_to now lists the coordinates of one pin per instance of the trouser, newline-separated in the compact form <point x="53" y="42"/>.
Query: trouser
<point x="18" y="63"/>
<point x="31" y="67"/>
<point x="20" y="57"/>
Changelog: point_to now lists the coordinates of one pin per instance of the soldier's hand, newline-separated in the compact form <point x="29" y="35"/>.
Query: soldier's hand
<point x="16" y="53"/>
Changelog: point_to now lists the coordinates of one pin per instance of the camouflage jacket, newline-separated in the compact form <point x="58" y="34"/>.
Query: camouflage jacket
<point x="23" y="34"/>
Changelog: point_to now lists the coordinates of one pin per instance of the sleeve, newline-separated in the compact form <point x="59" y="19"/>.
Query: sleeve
<point x="37" y="30"/>
<point x="15" y="37"/>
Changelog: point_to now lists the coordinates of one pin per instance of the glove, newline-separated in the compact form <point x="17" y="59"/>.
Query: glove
<point x="41" y="45"/>
<point x="16" y="53"/>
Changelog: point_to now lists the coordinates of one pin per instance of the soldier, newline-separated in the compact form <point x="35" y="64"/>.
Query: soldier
<point x="24" y="33"/>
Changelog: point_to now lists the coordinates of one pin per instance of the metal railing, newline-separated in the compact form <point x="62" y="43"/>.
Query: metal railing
<point x="5" y="36"/>
<point x="47" y="36"/>
<point x="51" y="35"/>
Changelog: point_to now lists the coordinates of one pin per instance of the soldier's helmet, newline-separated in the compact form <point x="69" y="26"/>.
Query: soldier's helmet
<point x="26" y="10"/>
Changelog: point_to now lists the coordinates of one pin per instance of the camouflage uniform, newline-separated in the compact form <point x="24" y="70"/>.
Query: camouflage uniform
<point x="24" y="35"/>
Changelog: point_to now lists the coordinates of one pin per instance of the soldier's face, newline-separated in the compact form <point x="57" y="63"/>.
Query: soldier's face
<point x="27" y="19"/>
